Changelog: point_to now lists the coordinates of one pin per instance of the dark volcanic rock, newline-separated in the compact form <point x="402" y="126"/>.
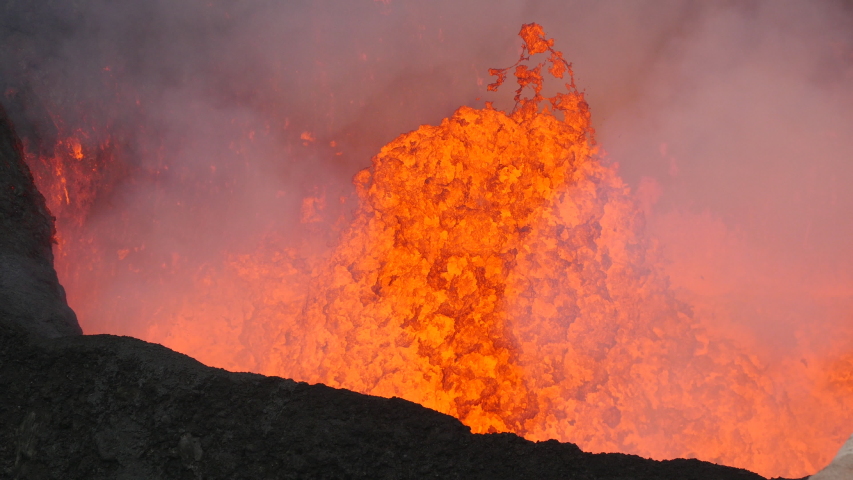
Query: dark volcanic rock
<point x="116" y="407"/>
<point x="30" y="294"/>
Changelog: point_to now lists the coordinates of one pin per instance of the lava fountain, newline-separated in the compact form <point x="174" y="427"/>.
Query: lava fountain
<point x="495" y="269"/>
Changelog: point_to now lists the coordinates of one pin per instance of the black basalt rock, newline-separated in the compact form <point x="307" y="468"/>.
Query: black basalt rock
<point x="106" y="407"/>
<point x="30" y="293"/>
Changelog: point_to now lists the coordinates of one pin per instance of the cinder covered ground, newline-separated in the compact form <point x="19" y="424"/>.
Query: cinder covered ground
<point x="115" y="407"/>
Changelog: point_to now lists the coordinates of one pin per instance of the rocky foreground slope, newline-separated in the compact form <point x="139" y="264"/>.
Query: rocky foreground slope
<point x="104" y="407"/>
<point x="116" y="407"/>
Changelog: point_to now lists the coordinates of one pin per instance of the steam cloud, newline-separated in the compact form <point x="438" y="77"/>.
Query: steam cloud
<point x="731" y="121"/>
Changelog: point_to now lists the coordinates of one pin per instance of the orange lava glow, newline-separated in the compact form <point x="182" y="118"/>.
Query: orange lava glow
<point x="495" y="270"/>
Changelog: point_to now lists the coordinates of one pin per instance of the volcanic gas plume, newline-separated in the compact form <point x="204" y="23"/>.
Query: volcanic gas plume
<point x="494" y="267"/>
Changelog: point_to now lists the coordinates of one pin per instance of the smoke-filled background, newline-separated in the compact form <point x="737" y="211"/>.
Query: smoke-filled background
<point x="198" y="128"/>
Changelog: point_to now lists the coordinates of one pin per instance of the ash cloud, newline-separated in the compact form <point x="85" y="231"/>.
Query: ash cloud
<point x="741" y="126"/>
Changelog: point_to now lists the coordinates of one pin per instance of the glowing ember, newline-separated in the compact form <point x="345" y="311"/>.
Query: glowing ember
<point x="496" y="271"/>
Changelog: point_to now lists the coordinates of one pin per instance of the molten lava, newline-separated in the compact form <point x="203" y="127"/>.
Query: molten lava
<point x="496" y="270"/>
